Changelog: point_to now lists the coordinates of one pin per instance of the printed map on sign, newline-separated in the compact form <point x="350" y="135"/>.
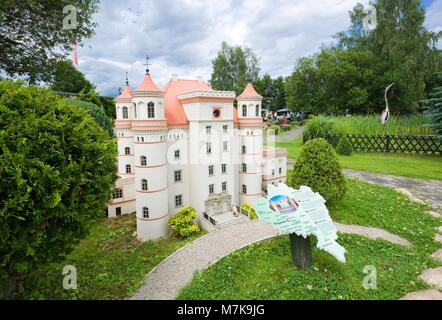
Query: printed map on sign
<point x="302" y="212"/>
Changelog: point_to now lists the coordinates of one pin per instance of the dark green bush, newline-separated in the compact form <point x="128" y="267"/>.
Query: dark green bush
<point x="57" y="169"/>
<point x="318" y="167"/>
<point x="97" y="113"/>
<point x="434" y="109"/>
<point x="344" y="146"/>
<point x="182" y="223"/>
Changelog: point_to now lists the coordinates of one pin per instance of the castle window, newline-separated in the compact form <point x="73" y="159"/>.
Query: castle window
<point x="178" y="200"/>
<point x="257" y="110"/>
<point x="225" y="127"/>
<point x="208" y="129"/>
<point x="225" y="145"/>
<point x="244" y="189"/>
<point x="211" y="188"/>
<point x="144" y="184"/>
<point x="223" y="168"/>
<point x="280" y="170"/>
<point x="244" y="110"/>
<point x="128" y="168"/>
<point x="177" y="154"/>
<point x="177" y="175"/>
<point x="145" y="212"/>
<point x="224" y="186"/>
<point x="244" y="149"/>
<point x="143" y="160"/>
<point x="244" y="167"/>
<point x="208" y="148"/>
<point x="125" y="113"/>
<point x="211" y="170"/>
<point x="135" y="109"/>
<point x="117" y="194"/>
<point x="127" y="150"/>
<point x="273" y="172"/>
<point x="150" y="110"/>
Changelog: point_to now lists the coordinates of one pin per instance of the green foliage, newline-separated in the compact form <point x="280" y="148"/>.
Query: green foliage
<point x="318" y="167"/>
<point x="344" y="146"/>
<point x="275" y="128"/>
<point x="323" y="127"/>
<point x="97" y="113"/>
<point x="57" y="168"/>
<point x="233" y="67"/>
<point x="183" y="223"/>
<point x="33" y="38"/>
<point x="434" y="110"/>
<point x="249" y="210"/>
<point x="273" y="92"/>
<point x="68" y="79"/>
<point x="106" y="103"/>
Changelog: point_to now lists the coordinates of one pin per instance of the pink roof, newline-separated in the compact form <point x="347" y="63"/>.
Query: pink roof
<point x="174" y="110"/>
<point x="249" y="92"/>
<point x="147" y="85"/>
<point x="126" y="94"/>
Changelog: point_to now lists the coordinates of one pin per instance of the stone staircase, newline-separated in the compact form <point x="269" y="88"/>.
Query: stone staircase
<point x="225" y="220"/>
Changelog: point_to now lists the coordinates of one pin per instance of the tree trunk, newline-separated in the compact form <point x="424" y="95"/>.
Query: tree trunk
<point x="301" y="251"/>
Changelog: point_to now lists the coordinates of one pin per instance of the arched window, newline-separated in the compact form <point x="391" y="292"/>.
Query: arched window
<point x="244" y="110"/>
<point x="145" y="212"/>
<point x="128" y="168"/>
<point x="257" y="110"/>
<point x="143" y="160"/>
<point x="125" y="113"/>
<point x="135" y="110"/>
<point x="127" y="150"/>
<point x="144" y="184"/>
<point x="150" y="110"/>
<point x="244" y="189"/>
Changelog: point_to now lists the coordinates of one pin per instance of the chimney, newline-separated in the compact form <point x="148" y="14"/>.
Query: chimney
<point x="174" y="76"/>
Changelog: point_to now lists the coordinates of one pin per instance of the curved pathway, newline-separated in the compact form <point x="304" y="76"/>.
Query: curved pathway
<point x="291" y="135"/>
<point x="167" y="279"/>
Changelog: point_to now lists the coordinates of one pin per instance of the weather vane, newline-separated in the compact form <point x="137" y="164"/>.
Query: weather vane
<point x="147" y="64"/>
<point x="127" y="80"/>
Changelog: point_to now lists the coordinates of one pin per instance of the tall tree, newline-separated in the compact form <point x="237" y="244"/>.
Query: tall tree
<point x="272" y="91"/>
<point x="68" y="79"/>
<point x="406" y="52"/>
<point x="233" y="67"/>
<point x="34" y="34"/>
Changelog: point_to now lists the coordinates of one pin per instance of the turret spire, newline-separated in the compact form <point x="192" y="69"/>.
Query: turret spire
<point x="147" y="64"/>
<point x="127" y="80"/>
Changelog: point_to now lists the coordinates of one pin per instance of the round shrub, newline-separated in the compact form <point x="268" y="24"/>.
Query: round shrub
<point x="57" y="169"/>
<point x="182" y="223"/>
<point x="97" y="113"/>
<point x="318" y="167"/>
<point x="249" y="210"/>
<point x="344" y="146"/>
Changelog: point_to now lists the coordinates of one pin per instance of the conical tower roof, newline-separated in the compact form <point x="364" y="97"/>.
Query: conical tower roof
<point x="249" y="93"/>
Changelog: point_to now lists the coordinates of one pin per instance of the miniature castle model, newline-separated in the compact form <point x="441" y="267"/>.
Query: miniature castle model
<point x="187" y="145"/>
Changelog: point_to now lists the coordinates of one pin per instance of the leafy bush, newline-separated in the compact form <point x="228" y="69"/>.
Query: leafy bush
<point x="249" y="210"/>
<point x="434" y="110"/>
<point x="57" y="169"/>
<point x="276" y="128"/>
<point x="286" y="127"/>
<point x="344" y="146"/>
<point x="323" y="127"/>
<point x="97" y="113"/>
<point x="183" y="223"/>
<point x="318" y="167"/>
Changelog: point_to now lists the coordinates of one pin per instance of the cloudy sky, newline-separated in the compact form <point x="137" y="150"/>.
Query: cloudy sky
<point x="183" y="36"/>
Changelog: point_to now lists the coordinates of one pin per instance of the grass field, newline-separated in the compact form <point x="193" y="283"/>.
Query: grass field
<point x="414" y="166"/>
<point x="110" y="263"/>
<point x="264" y="270"/>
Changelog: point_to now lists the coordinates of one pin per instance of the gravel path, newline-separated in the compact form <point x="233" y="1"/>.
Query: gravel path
<point x="166" y="280"/>
<point x="292" y="135"/>
<point x="427" y="190"/>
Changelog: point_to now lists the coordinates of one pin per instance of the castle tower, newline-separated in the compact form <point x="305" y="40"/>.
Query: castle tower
<point x="123" y="132"/>
<point x="149" y="129"/>
<point x="251" y="144"/>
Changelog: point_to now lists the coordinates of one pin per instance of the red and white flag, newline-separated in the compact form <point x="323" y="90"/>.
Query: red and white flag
<point x="75" y="53"/>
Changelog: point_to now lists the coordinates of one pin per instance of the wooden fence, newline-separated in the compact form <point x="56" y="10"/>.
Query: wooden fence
<point x="389" y="143"/>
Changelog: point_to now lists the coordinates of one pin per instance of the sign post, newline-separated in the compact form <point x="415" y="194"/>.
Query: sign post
<point x="301" y="251"/>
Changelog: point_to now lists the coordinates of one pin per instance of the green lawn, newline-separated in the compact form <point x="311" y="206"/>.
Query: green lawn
<point x="110" y="263"/>
<point x="408" y="165"/>
<point x="264" y="271"/>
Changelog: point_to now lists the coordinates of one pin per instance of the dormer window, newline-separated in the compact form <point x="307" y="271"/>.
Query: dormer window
<point x="150" y="110"/>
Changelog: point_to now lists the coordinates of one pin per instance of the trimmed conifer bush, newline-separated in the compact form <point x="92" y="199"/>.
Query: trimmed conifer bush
<point x="182" y="223"/>
<point x="318" y="167"/>
<point x="344" y="146"/>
